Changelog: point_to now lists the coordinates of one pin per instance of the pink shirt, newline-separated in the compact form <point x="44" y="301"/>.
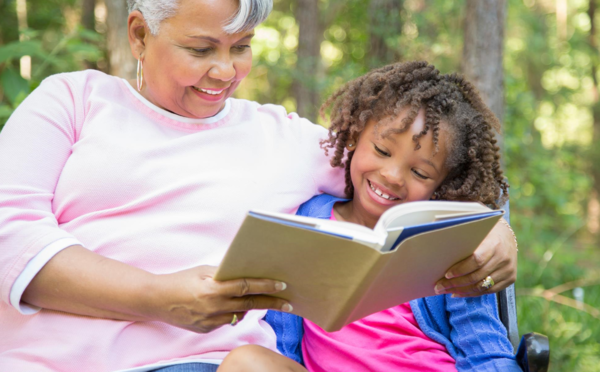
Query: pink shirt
<point x="390" y="340"/>
<point x="85" y="159"/>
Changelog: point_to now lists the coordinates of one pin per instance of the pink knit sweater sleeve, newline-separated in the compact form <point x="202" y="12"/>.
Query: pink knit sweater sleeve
<point x="307" y="137"/>
<point x="34" y="146"/>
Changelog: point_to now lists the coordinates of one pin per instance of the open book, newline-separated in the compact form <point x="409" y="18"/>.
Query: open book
<point x="338" y="272"/>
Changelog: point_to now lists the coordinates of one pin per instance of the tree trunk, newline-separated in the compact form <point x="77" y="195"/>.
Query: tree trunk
<point x="25" y="62"/>
<point x="9" y="26"/>
<point x="88" y="19"/>
<point x="482" y="52"/>
<point x="482" y="65"/>
<point x="309" y="59"/>
<point x="6" y="14"/>
<point x="384" y="22"/>
<point x="121" y="62"/>
<point x="593" y="41"/>
<point x="595" y="146"/>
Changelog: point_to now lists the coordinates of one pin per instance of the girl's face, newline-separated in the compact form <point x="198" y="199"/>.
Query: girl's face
<point x="192" y="66"/>
<point x="387" y="171"/>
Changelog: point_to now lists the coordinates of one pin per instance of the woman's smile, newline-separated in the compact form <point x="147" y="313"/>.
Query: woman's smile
<point x="213" y="92"/>
<point x="210" y="95"/>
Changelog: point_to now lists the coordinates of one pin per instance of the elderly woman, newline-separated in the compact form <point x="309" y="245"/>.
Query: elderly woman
<point x="120" y="197"/>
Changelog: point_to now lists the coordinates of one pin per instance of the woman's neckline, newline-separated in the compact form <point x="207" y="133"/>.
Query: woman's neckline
<point x="213" y="119"/>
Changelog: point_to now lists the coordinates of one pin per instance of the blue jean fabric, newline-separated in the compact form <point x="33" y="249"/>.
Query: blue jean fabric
<point x="189" y="367"/>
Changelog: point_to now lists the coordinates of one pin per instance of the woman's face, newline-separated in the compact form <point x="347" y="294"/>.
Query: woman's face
<point x="192" y="66"/>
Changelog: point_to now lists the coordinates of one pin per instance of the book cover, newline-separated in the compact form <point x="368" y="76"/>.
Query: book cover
<point x="334" y="279"/>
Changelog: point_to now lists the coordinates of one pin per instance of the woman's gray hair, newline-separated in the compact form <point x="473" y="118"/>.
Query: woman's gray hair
<point x="250" y="13"/>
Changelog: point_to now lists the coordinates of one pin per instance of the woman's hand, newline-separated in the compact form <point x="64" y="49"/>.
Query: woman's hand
<point x="81" y="282"/>
<point x="192" y="300"/>
<point x="495" y="257"/>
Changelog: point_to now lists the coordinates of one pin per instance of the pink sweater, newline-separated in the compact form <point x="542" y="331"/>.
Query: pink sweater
<point x="86" y="159"/>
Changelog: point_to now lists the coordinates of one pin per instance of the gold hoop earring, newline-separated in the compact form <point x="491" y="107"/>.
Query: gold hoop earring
<point x="140" y="74"/>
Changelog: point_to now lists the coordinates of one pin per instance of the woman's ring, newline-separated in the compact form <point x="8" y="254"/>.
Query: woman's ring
<point x="234" y="321"/>
<point x="487" y="283"/>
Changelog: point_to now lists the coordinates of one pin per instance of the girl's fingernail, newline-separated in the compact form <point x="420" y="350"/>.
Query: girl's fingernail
<point x="287" y="308"/>
<point x="439" y="289"/>
<point x="449" y="275"/>
<point x="280" y="286"/>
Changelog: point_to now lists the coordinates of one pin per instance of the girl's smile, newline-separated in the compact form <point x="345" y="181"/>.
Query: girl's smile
<point x="389" y="198"/>
<point x="387" y="170"/>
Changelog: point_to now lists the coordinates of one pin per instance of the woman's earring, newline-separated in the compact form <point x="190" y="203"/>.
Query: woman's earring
<point x="350" y="145"/>
<point x="140" y="73"/>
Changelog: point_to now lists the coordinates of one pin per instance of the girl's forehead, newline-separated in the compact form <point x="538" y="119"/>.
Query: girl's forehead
<point x="389" y="125"/>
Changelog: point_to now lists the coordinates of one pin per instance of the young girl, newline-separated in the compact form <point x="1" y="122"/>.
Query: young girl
<point x="404" y="133"/>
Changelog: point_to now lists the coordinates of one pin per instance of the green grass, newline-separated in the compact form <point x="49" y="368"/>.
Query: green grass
<point x="549" y="270"/>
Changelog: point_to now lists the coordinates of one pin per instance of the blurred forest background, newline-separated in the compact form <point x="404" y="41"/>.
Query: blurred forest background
<point x="535" y="61"/>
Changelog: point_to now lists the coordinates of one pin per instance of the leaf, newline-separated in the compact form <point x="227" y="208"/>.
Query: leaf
<point x="87" y="49"/>
<point x="20" y="98"/>
<point x="14" y="86"/>
<point x="30" y="33"/>
<point x="5" y="111"/>
<point x="19" y="49"/>
<point x="90" y="35"/>
<point x="84" y="51"/>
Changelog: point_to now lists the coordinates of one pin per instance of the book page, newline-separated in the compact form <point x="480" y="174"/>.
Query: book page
<point x="441" y="217"/>
<point x="409" y="231"/>
<point x="347" y="230"/>
<point x="396" y="219"/>
<point x="415" y="213"/>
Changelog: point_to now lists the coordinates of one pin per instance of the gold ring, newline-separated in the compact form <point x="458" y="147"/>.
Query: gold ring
<point x="487" y="283"/>
<point x="234" y="321"/>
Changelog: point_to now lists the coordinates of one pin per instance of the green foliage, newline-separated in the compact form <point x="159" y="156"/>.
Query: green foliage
<point x="548" y="168"/>
<point x="547" y="128"/>
<point x="51" y="52"/>
<point x="18" y="49"/>
<point x="53" y="41"/>
<point x="14" y="86"/>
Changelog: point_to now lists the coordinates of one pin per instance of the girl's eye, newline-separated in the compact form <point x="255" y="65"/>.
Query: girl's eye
<point x="380" y="151"/>
<point x="420" y="175"/>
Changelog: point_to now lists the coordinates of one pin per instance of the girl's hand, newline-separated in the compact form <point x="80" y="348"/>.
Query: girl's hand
<point x="496" y="257"/>
<point x="192" y="300"/>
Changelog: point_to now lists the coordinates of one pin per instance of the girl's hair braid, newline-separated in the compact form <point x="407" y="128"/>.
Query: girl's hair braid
<point x="448" y="100"/>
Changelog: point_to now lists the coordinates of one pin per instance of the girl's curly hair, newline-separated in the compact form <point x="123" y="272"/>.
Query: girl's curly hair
<point x="382" y="94"/>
